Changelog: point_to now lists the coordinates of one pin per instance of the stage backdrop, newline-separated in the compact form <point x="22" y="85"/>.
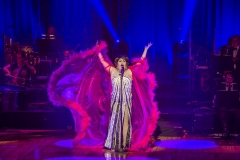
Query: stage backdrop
<point x="166" y="23"/>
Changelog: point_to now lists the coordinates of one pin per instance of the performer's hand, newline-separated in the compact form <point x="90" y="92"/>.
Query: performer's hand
<point x="148" y="46"/>
<point x="101" y="46"/>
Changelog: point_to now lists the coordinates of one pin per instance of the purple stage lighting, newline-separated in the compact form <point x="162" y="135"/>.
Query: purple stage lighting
<point x="186" y="144"/>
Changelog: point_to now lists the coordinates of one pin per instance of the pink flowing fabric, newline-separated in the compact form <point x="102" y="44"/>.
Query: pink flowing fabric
<point x="84" y="86"/>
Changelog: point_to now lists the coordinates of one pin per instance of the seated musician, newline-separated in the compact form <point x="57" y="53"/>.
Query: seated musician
<point x="19" y="71"/>
<point x="229" y="84"/>
<point x="227" y="107"/>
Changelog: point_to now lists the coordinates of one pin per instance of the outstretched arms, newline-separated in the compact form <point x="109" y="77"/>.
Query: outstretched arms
<point x="100" y="53"/>
<point x="145" y="50"/>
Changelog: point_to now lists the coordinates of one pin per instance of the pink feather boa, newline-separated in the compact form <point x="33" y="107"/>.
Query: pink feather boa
<point x="82" y="84"/>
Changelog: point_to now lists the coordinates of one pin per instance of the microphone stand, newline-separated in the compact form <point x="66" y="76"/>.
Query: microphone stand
<point x="121" y="98"/>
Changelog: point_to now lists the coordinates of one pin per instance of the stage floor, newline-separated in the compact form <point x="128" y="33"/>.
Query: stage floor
<point x="56" y="145"/>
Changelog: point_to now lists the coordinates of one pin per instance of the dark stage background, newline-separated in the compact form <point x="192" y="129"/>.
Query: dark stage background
<point x="169" y="24"/>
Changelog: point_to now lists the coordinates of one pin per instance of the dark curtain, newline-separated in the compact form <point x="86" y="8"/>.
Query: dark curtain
<point x="162" y="22"/>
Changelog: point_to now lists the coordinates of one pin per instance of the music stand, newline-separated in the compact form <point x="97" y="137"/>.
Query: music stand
<point x="216" y="63"/>
<point x="227" y="99"/>
<point x="222" y="63"/>
<point x="49" y="47"/>
<point x="227" y="63"/>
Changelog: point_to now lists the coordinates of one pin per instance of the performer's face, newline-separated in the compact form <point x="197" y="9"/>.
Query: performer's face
<point x="121" y="62"/>
<point x="20" y="59"/>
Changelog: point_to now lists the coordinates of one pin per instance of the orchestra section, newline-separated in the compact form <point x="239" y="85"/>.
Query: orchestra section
<point x="26" y="70"/>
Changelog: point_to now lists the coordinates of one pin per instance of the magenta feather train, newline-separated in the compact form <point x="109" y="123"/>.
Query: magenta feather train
<point x="82" y="85"/>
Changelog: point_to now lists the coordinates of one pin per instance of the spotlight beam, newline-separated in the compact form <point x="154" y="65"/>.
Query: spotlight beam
<point x="188" y="14"/>
<point x="98" y="5"/>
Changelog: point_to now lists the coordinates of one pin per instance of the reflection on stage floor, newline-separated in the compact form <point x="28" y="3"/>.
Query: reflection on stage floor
<point x="56" y="145"/>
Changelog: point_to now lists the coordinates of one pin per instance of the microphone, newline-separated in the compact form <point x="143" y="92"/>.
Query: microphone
<point x="122" y="69"/>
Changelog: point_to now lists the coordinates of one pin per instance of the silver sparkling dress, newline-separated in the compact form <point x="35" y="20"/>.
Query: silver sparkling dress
<point x="115" y="139"/>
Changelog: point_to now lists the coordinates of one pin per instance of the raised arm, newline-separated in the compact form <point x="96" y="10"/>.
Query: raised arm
<point x="104" y="63"/>
<point x="145" y="50"/>
<point x="101" y="49"/>
<point x="7" y="69"/>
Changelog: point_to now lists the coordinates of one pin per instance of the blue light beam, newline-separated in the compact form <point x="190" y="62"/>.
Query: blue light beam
<point x="188" y="14"/>
<point x="98" y="5"/>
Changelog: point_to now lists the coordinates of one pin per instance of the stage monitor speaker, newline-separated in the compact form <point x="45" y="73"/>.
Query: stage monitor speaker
<point x="169" y="128"/>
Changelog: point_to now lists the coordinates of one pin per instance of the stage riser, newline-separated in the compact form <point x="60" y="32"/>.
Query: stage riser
<point x="168" y="125"/>
<point x="52" y="120"/>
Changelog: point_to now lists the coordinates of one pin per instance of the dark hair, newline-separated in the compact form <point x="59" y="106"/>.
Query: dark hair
<point x="121" y="57"/>
<point x="23" y="55"/>
<point x="236" y="36"/>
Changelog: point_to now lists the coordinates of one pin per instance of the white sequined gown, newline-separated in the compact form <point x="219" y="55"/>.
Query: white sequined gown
<point x="114" y="138"/>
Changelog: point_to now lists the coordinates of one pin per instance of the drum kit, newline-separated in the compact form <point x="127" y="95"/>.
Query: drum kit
<point x="11" y="51"/>
<point x="45" y="60"/>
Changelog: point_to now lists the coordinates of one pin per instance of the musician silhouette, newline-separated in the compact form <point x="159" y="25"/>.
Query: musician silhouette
<point x="227" y="105"/>
<point x="19" y="71"/>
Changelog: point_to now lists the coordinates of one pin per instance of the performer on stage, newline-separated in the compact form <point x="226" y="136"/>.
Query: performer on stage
<point x="120" y="127"/>
<point x="20" y="70"/>
<point x="89" y="84"/>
